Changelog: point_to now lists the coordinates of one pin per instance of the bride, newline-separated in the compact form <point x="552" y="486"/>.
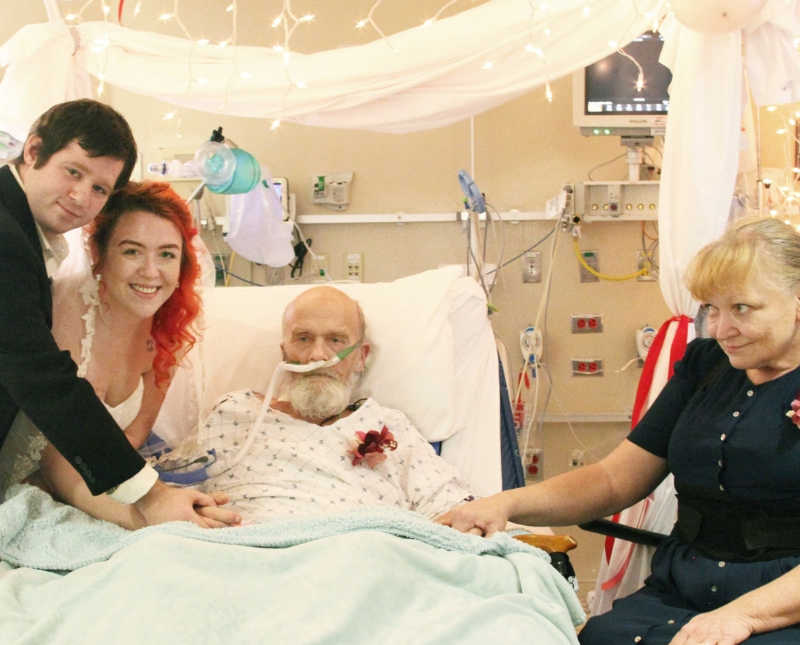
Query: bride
<point x="127" y="325"/>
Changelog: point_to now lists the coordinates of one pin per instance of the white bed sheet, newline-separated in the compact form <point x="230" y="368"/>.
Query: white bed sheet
<point x="434" y="358"/>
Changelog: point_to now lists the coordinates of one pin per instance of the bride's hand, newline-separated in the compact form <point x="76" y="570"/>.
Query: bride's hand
<point x="218" y="516"/>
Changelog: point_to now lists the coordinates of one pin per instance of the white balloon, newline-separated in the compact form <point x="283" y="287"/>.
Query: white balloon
<point x="716" y="16"/>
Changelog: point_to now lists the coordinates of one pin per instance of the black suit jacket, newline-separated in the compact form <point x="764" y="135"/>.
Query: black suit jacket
<point x="35" y="375"/>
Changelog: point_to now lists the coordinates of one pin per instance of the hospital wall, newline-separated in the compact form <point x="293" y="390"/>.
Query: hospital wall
<point x="524" y="151"/>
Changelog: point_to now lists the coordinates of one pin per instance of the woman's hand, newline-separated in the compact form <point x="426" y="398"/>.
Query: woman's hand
<point x="219" y="517"/>
<point x="723" y="626"/>
<point x="165" y="503"/>
<point x="481" y="517"/>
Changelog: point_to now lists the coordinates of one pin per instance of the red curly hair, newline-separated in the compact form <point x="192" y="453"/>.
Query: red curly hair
<point x="172" y="327"/>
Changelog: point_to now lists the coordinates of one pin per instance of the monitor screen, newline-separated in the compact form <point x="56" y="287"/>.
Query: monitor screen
<point x="281" y="188"/>
<point x="607" y="99"/>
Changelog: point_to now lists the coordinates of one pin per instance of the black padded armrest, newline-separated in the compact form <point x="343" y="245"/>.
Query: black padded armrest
<point x="623" y="532"/>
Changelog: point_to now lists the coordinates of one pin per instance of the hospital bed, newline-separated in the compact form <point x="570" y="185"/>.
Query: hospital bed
<point x="381" y="575"/>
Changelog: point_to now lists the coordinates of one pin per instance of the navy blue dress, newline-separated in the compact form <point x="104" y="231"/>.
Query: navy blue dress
<point x="730" y="446"/>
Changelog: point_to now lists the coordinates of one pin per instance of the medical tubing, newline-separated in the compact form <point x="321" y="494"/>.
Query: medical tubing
<point x="230" y="264"/>
<point x="254" y="428"/>
<point x="542" y="328"/>
<point x="196" y="191"/>
<point x="605" y="163"/>
<point x="491" y="215"/>
<point x="245" y="280"/>
<point x="308" y="248"/>
<point x="649" y="252"/>
<point x="280" y="368"/>
<point x="519" y="255"/>
<point x="604" y="276"/>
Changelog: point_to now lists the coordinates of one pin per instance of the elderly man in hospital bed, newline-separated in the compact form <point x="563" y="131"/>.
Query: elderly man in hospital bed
<point x="333" y="571"/>
<point x="310" y="448"/>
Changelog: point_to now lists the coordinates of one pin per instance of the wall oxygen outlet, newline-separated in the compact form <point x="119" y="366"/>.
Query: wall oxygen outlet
<point x="641" y="263"/>
<point x="590" y="257"/>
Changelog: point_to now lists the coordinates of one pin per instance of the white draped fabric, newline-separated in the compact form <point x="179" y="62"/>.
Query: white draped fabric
<point x="701" y="159"/>
<point x="420" y="78"/>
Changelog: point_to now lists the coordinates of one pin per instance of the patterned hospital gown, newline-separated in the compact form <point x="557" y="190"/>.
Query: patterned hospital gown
<point x="295" y="468"/>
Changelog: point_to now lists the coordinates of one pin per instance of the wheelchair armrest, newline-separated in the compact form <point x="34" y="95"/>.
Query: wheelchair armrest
<point x="624" y="532"/>
<point x="548" y="543"/>
<point x="556" y="547"/>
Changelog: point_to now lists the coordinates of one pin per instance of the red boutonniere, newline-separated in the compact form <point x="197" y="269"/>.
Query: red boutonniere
<point x="370" y="445"/>
<point x="794" y="412"/>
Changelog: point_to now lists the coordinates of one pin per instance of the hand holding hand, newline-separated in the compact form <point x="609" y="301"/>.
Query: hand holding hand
<point x="217" y="516"/>
<point x="481" y="517"/>
<point x="166" y="504"/>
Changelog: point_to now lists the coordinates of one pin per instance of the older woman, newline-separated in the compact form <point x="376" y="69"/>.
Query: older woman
<point x="729" y="572"/>
<point x="128" y="324"/>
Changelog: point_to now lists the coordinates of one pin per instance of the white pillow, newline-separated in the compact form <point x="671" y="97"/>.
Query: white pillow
<point x="411" y="365"/>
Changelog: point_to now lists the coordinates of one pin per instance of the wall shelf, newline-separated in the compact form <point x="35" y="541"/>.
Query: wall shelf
<point x="408" y="218"/>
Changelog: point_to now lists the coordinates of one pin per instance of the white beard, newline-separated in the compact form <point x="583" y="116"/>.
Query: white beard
<point x="318" y="396"/>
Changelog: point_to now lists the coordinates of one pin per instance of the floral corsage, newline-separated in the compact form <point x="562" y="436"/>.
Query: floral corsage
<point x="794" y="412"/>
<point x="370" y="445"/>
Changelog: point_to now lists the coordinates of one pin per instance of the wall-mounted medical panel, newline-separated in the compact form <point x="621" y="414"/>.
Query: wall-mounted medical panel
<point x="619" y="200"/>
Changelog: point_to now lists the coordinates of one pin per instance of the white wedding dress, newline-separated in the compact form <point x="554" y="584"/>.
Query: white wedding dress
<point x="22" y="449"/>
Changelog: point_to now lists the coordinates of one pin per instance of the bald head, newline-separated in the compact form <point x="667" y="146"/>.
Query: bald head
<point x="319" y="324"/>
<point x="321" y="302"/>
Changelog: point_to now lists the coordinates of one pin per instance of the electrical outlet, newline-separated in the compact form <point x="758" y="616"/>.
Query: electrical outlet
<point x="532" y="267"/>
<point x="354" y="263"/>
<point x="586" y="323"/>
<point x="534" y="464"/>
<point x="587" y="367"/>
<point x="590" y="257"/>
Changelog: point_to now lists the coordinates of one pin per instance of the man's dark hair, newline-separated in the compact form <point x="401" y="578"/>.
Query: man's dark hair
<point x="98" y="128"/>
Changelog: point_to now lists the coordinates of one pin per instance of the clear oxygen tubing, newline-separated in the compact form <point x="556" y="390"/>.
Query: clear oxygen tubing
<point x="277" y="375"/>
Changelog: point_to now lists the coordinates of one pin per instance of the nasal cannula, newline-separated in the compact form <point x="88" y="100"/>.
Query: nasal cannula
<point x="285" y="366"/>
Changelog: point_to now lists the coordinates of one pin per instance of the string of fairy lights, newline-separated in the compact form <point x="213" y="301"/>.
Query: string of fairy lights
<point x="781" y="192"/>
<point x="781" y="195"/>
<point x="287" y="21"/>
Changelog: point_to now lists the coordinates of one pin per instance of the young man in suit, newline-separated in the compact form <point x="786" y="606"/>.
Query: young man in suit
<point x="75" y="156"/>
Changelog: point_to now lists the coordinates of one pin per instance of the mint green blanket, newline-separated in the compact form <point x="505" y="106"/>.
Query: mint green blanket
<point x="379" y="576"/>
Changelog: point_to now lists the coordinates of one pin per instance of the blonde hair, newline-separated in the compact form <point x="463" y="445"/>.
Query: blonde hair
<point x="751" y="244"/>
